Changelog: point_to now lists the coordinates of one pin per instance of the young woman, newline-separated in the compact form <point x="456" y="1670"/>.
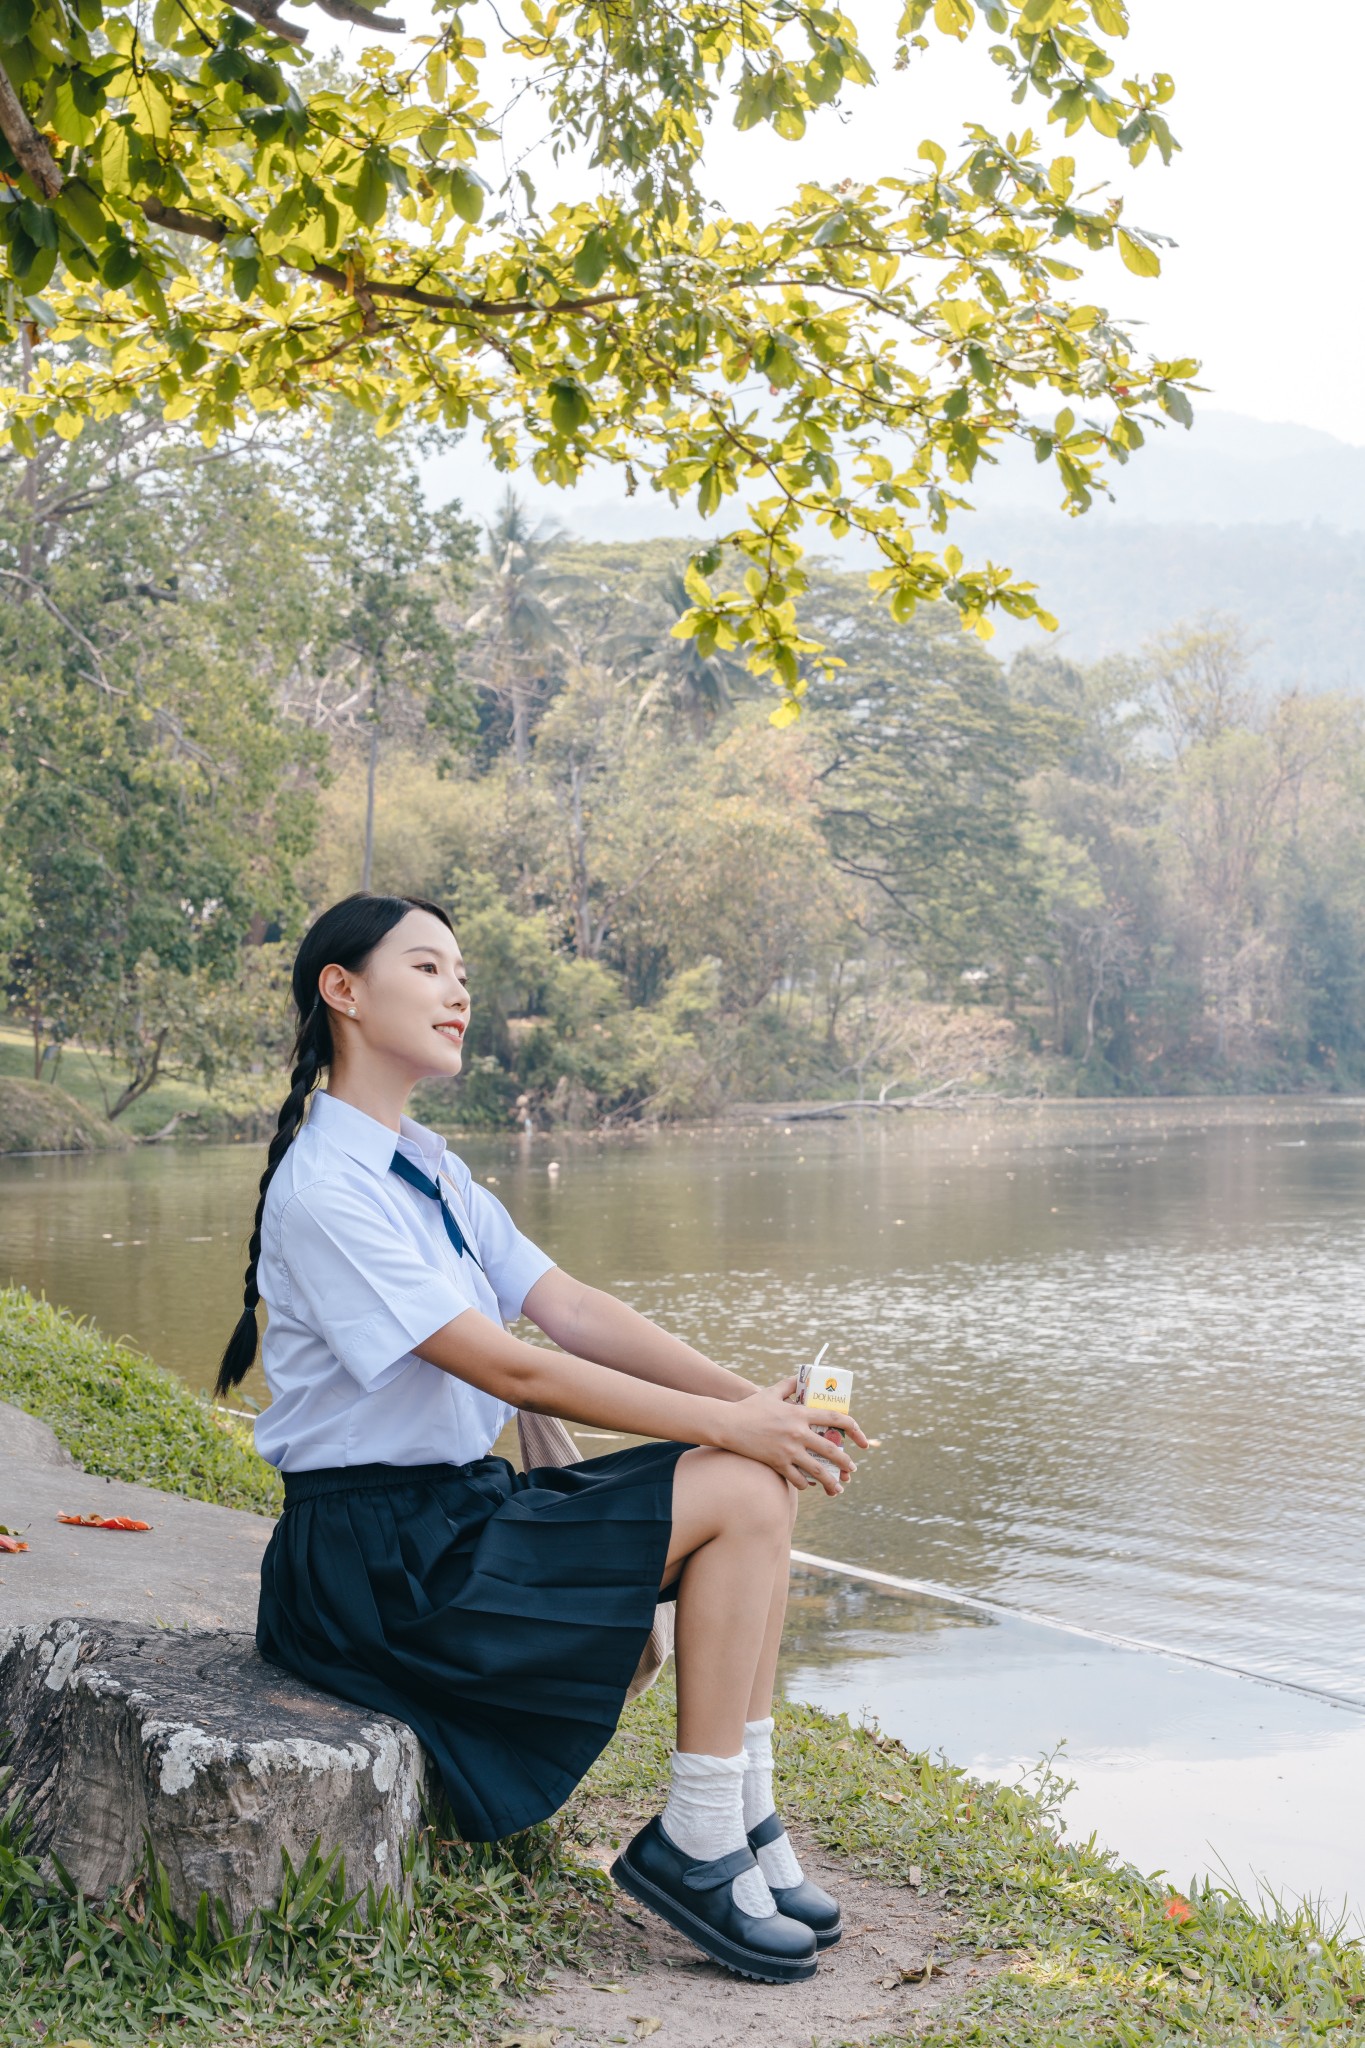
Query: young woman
<point x="502" y="1614"/>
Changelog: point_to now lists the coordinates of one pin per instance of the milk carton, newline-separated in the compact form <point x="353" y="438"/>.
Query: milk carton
<point x="831" y="1388"/>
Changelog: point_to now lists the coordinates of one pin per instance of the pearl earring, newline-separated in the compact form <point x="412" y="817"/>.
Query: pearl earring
<point x="351" y="1011"/>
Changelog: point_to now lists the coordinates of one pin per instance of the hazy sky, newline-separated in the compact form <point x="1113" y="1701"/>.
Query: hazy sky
<point x="1265" y="286"/>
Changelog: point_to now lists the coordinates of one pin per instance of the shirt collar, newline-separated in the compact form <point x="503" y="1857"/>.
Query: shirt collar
<point x="370" y="1143"/>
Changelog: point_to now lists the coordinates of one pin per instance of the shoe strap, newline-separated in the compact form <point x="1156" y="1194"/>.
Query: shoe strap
<point x="769" y="1829"/>
<point x="708" y="1877"/>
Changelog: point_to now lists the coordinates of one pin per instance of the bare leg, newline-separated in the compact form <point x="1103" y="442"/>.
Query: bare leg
<point x="731" y="1536"/>
<point x="761" y="1697"/>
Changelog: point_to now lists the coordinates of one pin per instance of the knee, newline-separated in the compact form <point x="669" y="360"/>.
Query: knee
<point x="759" y="1498"/>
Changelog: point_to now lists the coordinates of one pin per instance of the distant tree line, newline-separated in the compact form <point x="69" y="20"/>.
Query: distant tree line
<point x="237" y="683"/>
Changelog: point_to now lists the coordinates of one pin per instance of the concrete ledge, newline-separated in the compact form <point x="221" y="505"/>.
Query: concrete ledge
<point x="135" y="1714"/>
<point x="198" y="1566"/>
<point x="124" y="1734"/>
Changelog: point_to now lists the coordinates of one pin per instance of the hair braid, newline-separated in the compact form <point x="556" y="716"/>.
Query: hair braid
<point x="240" y="1350"/>
<point x="347" y="934"/>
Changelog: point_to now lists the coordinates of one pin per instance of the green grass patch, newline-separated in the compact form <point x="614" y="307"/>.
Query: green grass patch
<point x="36" y="1117"/>
<point x="91" y="1079"/>
<point x="1096" y="1951"/>
<point x="323" y="1966"/>
<point x="123" y="1417"/>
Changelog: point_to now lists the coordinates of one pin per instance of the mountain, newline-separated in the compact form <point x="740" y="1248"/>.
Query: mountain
<point x="1262" y="520"/>
<point x="1226" y="470"/>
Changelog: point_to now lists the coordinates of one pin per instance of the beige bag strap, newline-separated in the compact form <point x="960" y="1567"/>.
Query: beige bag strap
<point x="545" y="1441"/>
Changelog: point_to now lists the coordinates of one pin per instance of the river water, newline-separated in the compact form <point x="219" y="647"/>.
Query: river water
<point x="1114" y="1354"/>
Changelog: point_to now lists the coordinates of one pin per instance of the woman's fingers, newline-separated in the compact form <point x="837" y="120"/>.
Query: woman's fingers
<point x="832" y="1448"/>
<point x="854" y="1430"/>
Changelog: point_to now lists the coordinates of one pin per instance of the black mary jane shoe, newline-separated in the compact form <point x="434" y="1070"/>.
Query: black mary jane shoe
<point x="696" y="1898"/>
<point x="805" y="1901"/>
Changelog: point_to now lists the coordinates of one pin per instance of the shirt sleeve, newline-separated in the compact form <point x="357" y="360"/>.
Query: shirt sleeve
<point x="358" y="1281"/>
<point x="510" y="1261"/>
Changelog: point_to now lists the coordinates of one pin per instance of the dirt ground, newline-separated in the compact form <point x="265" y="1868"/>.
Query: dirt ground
<point x="646" y="1982"/>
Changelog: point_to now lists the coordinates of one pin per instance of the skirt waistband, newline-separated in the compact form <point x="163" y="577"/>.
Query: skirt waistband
<point x="367" y="1479"/>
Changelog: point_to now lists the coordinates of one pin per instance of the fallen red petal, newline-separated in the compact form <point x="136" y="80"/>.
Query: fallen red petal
<point x="11" y="1543"/>
<point x="103" y="1522"/>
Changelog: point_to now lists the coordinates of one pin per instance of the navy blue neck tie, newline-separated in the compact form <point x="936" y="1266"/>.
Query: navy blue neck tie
<point x="415" y="1178"/>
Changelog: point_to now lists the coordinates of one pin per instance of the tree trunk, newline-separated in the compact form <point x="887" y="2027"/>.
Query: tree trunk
<point x="28" y="490"/>
<point x="521" y="717"/>
<point x="367" y="865"/>
<point x="144" y="1074"/>
<point x="580" y="884"/>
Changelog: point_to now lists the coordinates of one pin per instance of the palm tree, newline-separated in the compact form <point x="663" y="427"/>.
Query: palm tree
<point x="693" y="686"/>
<point x="516" y="619"/>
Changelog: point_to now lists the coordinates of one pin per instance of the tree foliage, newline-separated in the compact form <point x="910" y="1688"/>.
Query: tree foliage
<point x="189" y="210"/>
<point x="180" y="633"/>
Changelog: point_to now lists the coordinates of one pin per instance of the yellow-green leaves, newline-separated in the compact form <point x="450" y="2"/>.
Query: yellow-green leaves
<point x="1139" y="257"/>
<point x="570" y="407"/>
<point x="238" y="236"/>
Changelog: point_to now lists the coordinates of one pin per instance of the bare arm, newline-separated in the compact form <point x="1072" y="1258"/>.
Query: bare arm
<point x="767" y="1428"/>
<point x="597" y="1326"/>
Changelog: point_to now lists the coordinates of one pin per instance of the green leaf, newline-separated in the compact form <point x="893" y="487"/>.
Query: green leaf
<point x="16" y="19"/>
<point x="569" y="405"/>
<point x="39" y="223"/>
<point x="1139" y="258"/>
<point x="120" y="264"/>
<point x="114" y="156"/>
<point x="39" y="269"/>
<point x="227" y="66"/>
<point x="1176" y="402"/>
<point x="467" y="194"/>
<point x="589" y="265"/>
<point x="370" y="193"/>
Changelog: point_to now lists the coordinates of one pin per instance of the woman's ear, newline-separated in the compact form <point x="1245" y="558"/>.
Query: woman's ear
<point x="334" y="986"/>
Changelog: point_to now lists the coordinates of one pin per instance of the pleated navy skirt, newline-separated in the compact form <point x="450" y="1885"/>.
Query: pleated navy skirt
<point x="501" y="1614"/>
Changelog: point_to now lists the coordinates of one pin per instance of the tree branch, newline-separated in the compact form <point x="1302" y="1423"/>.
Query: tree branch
<point x="206" y="230"/>
<point x="36" y="590"/>
<point x="359" y="17"/>
<point x="264" y="12"/>
<point x="30" y="150"/>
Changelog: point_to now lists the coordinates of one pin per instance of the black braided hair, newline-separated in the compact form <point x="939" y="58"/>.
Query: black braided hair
<point x="344" y="936"/>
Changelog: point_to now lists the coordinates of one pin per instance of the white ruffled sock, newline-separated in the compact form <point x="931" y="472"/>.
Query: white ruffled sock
<point x="704" y="1818"/>
<point x="777" y="1860"/>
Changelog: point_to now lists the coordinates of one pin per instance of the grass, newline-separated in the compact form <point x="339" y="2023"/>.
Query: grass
<point x="239" y="1102"/>
<point x="123" y="1417"/>
<point x="322" y="1966"/>
<point x="1096" y="1951"/>
<point x="35" y="1117"/>
<point x="1093" y="1951"/>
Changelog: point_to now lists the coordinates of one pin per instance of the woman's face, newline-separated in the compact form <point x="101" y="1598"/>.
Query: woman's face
<point x="411" y="999"/>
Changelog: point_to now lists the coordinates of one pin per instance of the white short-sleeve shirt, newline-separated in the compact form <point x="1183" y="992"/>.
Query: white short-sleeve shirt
<point x="355" y="1269"/>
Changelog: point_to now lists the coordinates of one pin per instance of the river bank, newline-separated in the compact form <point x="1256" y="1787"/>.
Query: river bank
<point x="1022" y="1937"/>
<point x="65" y="1112"/>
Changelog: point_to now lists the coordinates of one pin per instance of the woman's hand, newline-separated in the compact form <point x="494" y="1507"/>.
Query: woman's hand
<point x="773" y="1430"/>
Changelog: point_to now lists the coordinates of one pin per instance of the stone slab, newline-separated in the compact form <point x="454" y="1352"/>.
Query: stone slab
<point x="126" y="1735"/>
<point x="197" y="1567"/>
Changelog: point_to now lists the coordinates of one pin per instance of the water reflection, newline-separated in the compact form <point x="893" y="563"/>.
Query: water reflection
<point x="1114" y="1355"/>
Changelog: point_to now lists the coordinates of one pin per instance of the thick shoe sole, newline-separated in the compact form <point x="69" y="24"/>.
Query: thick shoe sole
<point x="829" y="1936"/>
<point x="744" y="1962"/>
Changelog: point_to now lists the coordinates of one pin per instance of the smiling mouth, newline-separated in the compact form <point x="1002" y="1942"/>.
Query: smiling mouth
<point x="454" y="1032"/>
